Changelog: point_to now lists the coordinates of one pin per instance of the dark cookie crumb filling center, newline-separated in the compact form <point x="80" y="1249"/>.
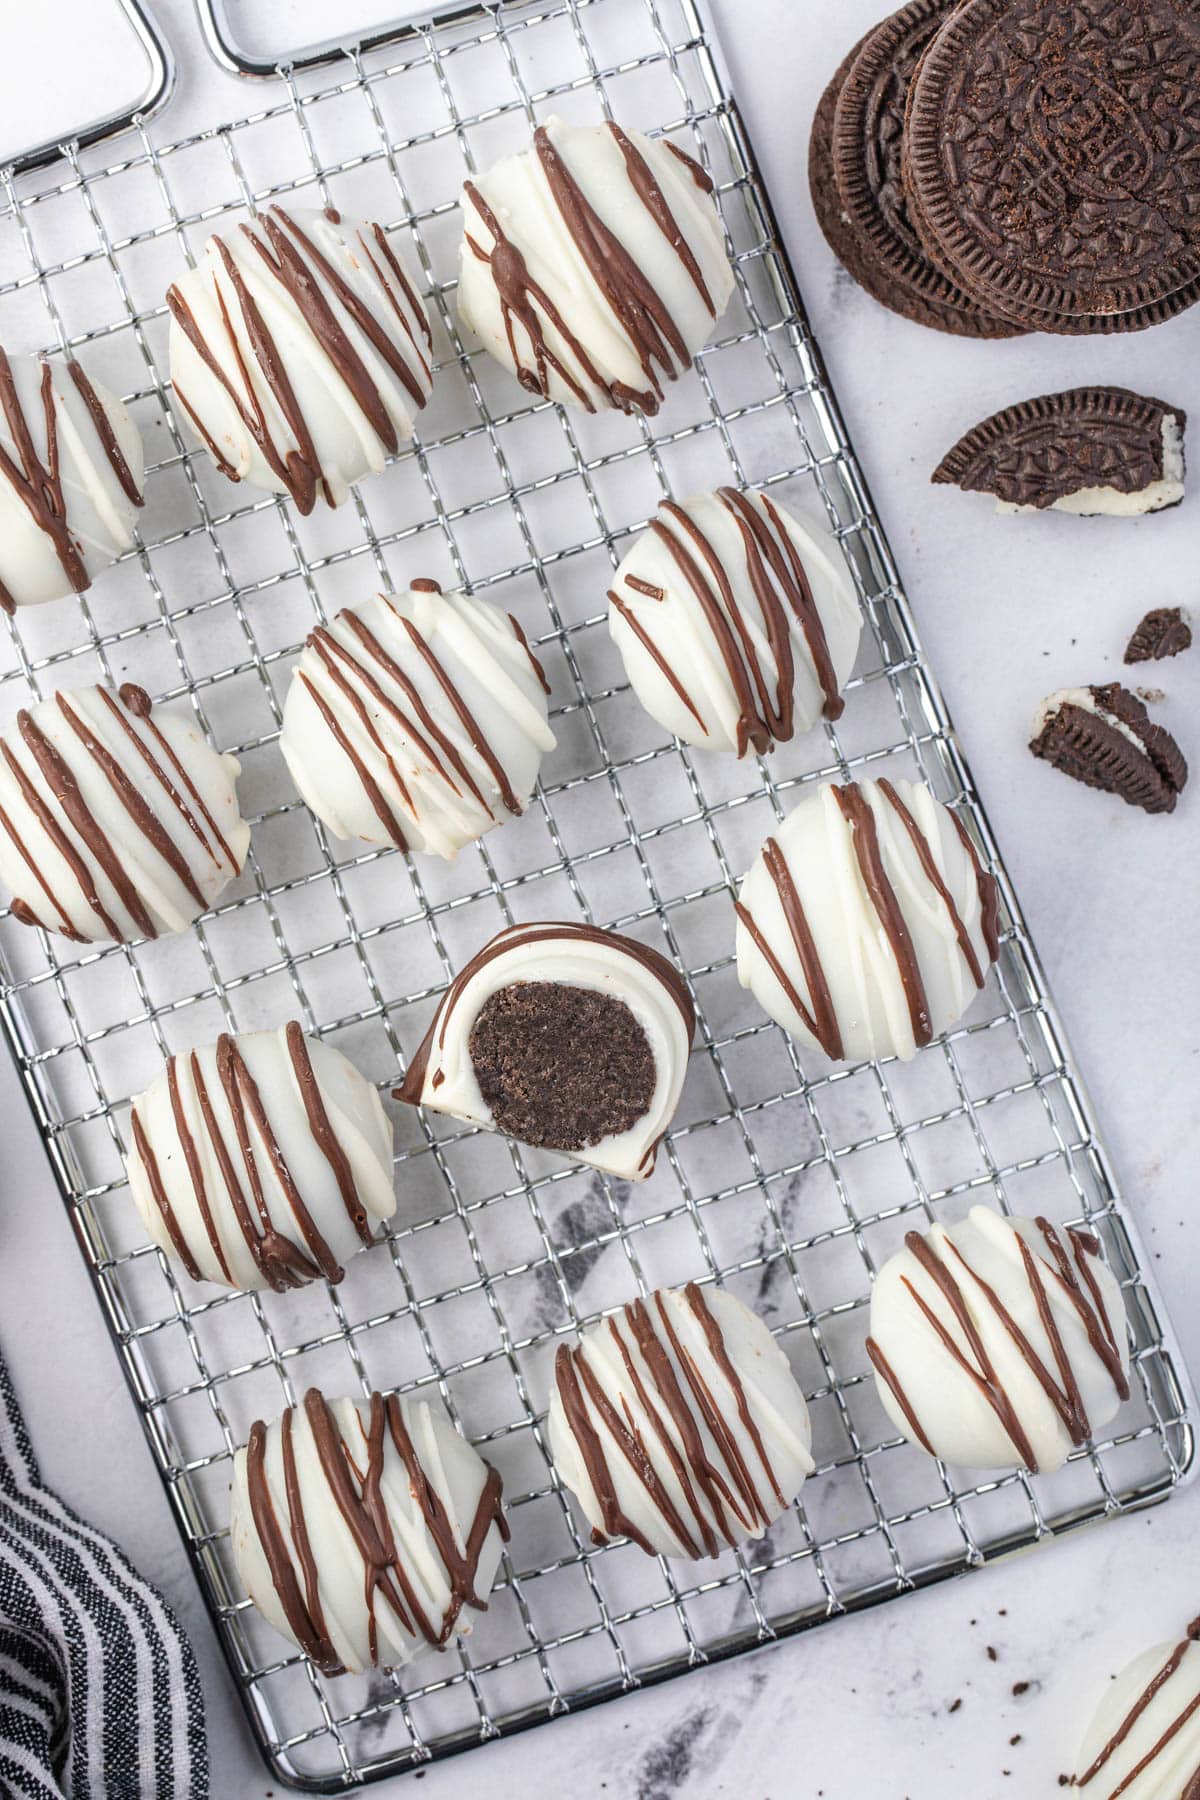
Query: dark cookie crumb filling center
<point x="561" y="1067"/>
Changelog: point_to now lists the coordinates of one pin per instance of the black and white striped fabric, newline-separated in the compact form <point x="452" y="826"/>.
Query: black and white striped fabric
<point x="100" y="1697"/>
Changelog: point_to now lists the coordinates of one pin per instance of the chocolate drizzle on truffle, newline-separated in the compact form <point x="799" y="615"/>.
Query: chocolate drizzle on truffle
<point x="966" y="1294"/>
<point x="248" y="353"/>
<point x="38" y="484"/>
<point x="729" y="1492"/>
<point x="354" y="1470"/>
<point x="284" y="1260"/>
<point x="147" y="799"/>
<point x="783" y="593"/>
<point x="818" y="1013"/>
<point x="640" y="311"/>
<point x="425" y="754"/>
<point x="1145" y="1699"/>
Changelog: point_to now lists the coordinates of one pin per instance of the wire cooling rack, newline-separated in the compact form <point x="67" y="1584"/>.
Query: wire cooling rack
<point x="785" y="1179"/>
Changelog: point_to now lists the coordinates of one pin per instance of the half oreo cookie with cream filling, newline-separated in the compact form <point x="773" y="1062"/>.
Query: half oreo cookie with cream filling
<point x="1086" y="451"/>
<point x="261" y="1161"/>
<point x="737" y="624"/>
<point x="677" y="1422"/>
<point x="564" y="1036"/>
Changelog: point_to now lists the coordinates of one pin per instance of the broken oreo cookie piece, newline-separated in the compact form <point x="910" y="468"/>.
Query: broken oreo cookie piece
<point x="1086" y="450"/>
<point x="1104" y="737"/>
<point x="1164" y="631"/>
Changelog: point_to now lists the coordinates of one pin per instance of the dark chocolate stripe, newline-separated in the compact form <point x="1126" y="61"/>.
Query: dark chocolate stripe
<point x="325" y="1136"/>
<point x="652" y="650"/>
<point x="933" y="875"/>
<point x="143" y="816"/>
<point x="39" y="486"/>
<point x="821" y="1017"/>
<point x="864" y="836"/>
<point x="57" y="774"/>
<point x="637" y="304"/>
<point x="149" y="1162"/>
<point x="137" y="701"/>
<point x="106" y="434"/>
<point x="518" y="291"/>
<point x="989" y="891"/>
<point x="195" y="1170"/>
<point x="641" y="179"/>
<point x="1144" y="1700"/>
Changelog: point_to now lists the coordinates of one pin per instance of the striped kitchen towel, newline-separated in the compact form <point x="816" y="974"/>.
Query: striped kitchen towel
<point x="99" y="1693"/>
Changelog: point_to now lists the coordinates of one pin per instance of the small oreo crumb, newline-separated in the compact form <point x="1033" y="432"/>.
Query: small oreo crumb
<point x="1162" y="632"/>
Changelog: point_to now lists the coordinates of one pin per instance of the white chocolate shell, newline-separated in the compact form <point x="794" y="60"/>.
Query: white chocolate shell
<point x="117" y="819"/>
<point x="867" y="924"/>
<point x="262" y="1160"/>
<point x="362" y="1529"/>
<point x="71" y="472"/>
<point x="738" y="625"/>
<point x="998" y="1342"/>
<point x="677" y="1422"/>
<point x="417" y="719"/>
<point x="300" y="352"/>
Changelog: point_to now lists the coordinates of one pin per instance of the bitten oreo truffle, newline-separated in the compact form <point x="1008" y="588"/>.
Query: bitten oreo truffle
<point x="71" y="470"/>
<point x="365" y="1529"/>
<point x="417" y="720"/>
<point x="999" y="1342"/>
<point x="300" y="352"/>
<point x="1051" y="154"/>
<point x="677" y="1422"/>
<point x="867" y="923"/>
<point x="1087" y="450"/>
<point x="738" y="625"/>
<point x="261" y="1161"/>
<point x="1162" y="632"/>
<point x="1104" y="737"/>
<point x="1144" y="1741"/>
<point x="593" y="265"/>
<point x="565" y="1036"/>
<point x="117" y="820"/>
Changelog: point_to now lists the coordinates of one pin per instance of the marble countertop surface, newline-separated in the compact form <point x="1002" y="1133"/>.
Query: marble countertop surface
<point x="1010" y="609"/>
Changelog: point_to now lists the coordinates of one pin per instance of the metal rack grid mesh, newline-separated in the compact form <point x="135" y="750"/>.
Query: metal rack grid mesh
<point x="785" y="1179"/>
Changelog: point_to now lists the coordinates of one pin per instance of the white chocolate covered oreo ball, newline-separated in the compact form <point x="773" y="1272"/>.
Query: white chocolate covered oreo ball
<point x="300" y="352"/>
<point x="738" y="626"/>
<point x="363" y="1528"/>
<point x="117" y="820"/>
<point x="677" y="1422"/>
<point x="999" y="1343"/>
<point x="867" y="923"/>
<point x="1144" y="1742"/>
<point x="417" y="719"/>
<point x="71" y="470"/>
<point x="261" y="1161"/>
<point x="566" y="1037"/>
<point x="593" y="265"/>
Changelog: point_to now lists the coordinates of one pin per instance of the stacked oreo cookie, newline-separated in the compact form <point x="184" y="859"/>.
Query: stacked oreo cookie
<point x="991" y="167"/>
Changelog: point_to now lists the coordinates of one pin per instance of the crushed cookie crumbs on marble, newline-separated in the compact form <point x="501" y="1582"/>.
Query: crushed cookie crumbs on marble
<point x="992" y="1654"/>
<point x="954" y="1705"/>
<point x="1021" y="1687"/>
